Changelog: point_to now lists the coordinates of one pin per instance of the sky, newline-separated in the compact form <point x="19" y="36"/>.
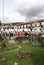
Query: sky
<point x="21" y="10"/>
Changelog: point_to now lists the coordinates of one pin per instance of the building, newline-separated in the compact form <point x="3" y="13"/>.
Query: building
<point x="35" y="24"/>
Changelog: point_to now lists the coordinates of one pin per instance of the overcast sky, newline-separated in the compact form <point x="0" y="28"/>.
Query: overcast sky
<point x="21" y="10"/>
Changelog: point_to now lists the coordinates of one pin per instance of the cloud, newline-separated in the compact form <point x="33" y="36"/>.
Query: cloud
<point x="21" y="10"/>
<point x="32" y="9"/>
<point x="10" y="13"/>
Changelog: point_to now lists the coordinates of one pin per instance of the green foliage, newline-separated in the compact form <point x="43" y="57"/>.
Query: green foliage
<point x="2" y="42"/>
<point x="37" y="57"/>
<point x="40" y="39"/>
<point x="1" y="38"/>
<point x="0" y="23"/>
<point x="34" y="40"/>
<point x="2" y="45"/>
<point x="21" y="39"/>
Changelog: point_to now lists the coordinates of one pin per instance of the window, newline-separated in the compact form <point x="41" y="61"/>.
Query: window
<point x="28" y="25"/>
<point x="24" y="26"/>
<point x="40" y="24"/>
<point x="21" y="26"/>
<point x="33" y="24"/>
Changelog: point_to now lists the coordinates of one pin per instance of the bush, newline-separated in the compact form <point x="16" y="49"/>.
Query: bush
<point x="40" y="39"/>
<point x="34" y="40"/>
<point x="2" y="45"/>
<point x="2" y="42"/>
<point x="1" y="38"/>
<point x="21" y="39"/>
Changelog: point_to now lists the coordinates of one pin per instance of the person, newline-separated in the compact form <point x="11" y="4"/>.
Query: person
<point x="17" y="34"/>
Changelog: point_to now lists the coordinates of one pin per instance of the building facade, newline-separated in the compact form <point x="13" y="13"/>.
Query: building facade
<point x="35" y="24"/>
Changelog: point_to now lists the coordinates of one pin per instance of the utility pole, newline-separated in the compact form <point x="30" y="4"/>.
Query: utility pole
<point x="3" y="14"/>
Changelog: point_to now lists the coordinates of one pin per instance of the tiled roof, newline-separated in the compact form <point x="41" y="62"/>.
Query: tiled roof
<point x="22" y="23"/>
<point x="33" y="21"/>
<point x="39" y="20"/>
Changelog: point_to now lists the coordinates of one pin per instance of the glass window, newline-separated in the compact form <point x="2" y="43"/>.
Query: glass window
<point x="21" y="26"/>
<point x="24" y="26"/>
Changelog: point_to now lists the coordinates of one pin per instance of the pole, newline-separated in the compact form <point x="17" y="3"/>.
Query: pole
<point x="3" y="13"/>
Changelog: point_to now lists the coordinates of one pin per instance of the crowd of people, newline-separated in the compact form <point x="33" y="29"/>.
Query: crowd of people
<point x="12" y="32"/>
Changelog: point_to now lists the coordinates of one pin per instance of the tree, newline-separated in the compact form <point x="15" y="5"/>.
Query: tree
<point x="0" y="23"/>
